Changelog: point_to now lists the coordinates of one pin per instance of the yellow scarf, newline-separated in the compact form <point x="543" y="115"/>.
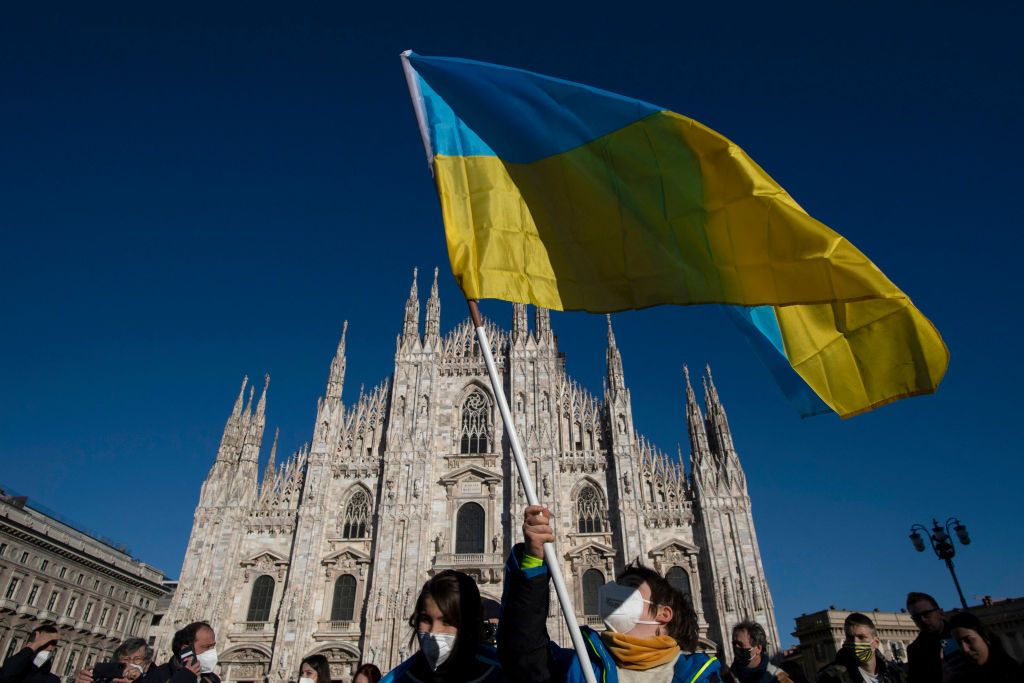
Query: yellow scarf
<point x="640" y="654"/>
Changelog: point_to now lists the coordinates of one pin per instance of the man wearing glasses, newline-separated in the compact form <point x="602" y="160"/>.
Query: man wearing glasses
<point x="926" y="653"/>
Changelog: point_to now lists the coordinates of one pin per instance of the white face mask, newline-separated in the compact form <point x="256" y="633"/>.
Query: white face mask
<point x="207" y="661"/>
<point x="436" y="647"/>
<point x="305" y="680"/>
<point x="42" y="658"/>
<point x="621" y="607"/>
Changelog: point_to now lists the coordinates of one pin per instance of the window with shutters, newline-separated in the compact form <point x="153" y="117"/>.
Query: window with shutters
<point x="343" y="607"/>
<point x="262" y="596"/>
<point x="469" y="529"/>
<point x="593" y="579"/>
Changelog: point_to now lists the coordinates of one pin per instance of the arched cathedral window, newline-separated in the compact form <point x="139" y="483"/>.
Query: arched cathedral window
<point x="590" y="510"/>
<point x="593" y="579"/>
<point x="356" y="520"/>
<point x="679" y="579"/>
<point x="343" y="606"/>
<point x="469" y="529"/>
<point x="476" y="424"/>
<point x="262" y="596"/>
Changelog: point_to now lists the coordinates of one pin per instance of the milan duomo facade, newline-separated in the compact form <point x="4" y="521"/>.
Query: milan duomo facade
<point x="327" y="553"/>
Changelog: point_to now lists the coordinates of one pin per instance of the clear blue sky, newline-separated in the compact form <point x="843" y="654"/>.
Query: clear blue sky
<point x="193" y="192"/>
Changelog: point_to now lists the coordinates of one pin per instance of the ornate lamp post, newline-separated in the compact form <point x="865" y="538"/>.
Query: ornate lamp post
<point x="942" y="544"/>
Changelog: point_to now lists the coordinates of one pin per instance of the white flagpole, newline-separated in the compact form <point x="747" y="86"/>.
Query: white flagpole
<point x="550" y="554"/>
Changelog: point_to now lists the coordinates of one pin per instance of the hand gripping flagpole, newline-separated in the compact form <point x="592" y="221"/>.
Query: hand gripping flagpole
<point x="550" y="554"/>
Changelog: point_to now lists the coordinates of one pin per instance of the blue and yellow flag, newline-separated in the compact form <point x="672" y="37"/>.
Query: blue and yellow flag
<point x="573" y="198"/>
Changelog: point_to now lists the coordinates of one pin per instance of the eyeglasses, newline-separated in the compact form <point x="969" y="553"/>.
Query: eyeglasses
<point x="921" y="615"/>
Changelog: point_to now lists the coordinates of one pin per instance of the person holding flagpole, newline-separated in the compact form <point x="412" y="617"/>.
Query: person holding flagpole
<point x="651" y="636"/>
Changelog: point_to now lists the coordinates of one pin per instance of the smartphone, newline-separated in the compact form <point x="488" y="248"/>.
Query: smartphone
<point x="107" y="671"/>
<point x="186" y="655"/>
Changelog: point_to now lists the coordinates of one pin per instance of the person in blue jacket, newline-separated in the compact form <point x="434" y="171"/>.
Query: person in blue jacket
<point x="651" y="636"/>
<point x="448" y="624"/>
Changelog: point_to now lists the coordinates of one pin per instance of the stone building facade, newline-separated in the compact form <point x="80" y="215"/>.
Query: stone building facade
<point x="51" y="572"/>
<point x="328" y="551"/>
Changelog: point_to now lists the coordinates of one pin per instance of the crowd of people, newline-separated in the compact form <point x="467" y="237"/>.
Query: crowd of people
<point x="651" y="637"/>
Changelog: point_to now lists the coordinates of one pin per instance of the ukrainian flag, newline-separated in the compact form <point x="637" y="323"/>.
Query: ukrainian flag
<point x="573" y="198"/>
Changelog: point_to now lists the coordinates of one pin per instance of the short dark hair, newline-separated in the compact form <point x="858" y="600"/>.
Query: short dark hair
<point x="45" y="628"/>
<point x="755" y="632"/>
<point x="371" y="672"/>
<point x="186" y="636"/>
<point x="320" y="665"/>
<point x="858" y="619"/>
<point x="914" y="596"/>
<point x="458" y="598"/>
<point x="129" y="646"/>
<point x="683" y="626"/>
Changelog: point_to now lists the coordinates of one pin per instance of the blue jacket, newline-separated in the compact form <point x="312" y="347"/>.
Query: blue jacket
<point x="415" y="670"/>
<point x="527" y="653"/>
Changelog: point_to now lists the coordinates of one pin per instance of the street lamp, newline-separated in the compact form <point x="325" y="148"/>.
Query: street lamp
<point x="942" y="544"/>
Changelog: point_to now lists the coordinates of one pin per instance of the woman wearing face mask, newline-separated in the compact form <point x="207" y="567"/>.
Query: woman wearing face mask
<point x="651" y="633"/>
<point x="984" y="657"/>
<point x="315" y="669"/>
<point x="448" y="625"/>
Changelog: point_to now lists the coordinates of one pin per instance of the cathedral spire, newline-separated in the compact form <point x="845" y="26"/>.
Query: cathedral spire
<point x="261" y="407"/>
<point x="336" y="377"/>
<point x="411" y="325"/>
<point x="695" y="426"/>
<point x="541" y="323"/>
<point x="271" y="470"/>
<point x="616" y="378"/>
<point x="520" y="328"/>
<point x="229" y="440"/>
<point x="237" y="411"/>
<point x="432" y="327"/>
<point x="717" y="421"/>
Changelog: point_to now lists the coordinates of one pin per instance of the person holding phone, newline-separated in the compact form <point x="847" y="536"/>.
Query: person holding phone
<point x="130" y="662"/>
<point x="195" y="654"/>
<point x="32" y="663"/>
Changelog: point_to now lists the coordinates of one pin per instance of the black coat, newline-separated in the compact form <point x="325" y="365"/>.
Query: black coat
<point x="845" y="670"/>
<point x="924" y="657"/>
<point x="19" y="669"/>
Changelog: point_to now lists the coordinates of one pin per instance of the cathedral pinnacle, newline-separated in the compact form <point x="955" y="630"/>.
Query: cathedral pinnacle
<point x="520" y="328"/>
<point x="336" y="376"/>
<point x="261" y="407"/>
<point x="616" y="376"/>
<point x="695" y="424"/>
<point x="432" y="326"/>
<point x="541" y="323"/>
<point x="271" y="470"/>
<point x="237" y="411"/>
<point x="411" y="324"/>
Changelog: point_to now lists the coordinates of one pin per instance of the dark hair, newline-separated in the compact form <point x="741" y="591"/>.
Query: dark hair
<point x="858" y="619"/>
<point x="755" y="632"/>
<point x="458" y="599"/>
<point x="913" y="597"/>
<point x="129" y="646"/>
<point x="183" y="637"/>
<point x="319" y="664"/>
<point x="45" y="628"/>
<point x="968" y="620"/>
<point x="683" y="626"/>
<point x="368" y="670"/>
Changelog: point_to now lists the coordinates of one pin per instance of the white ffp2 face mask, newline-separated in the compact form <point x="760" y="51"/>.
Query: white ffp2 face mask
<point x="42" y="658"/>
<point x="436" y="647"/>
<point x="207" y="661"/>
<point x="305" y="680"/>
<point x="621" y="607"/>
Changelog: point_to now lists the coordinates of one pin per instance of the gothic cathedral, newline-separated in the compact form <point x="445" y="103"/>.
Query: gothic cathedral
<point x="327" y="552"/>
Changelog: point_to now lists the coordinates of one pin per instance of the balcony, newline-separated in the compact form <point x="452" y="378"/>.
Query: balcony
<point x="6" y="603"/>
<point x="484" y="567"/>
<point x="66" y="621"/>
<point x="46" y="615"/>
<point x="82" y="626"/>
<point x="252" y="631"/>
<point x="27" y="610"/>
<point x="326" y="630"/>
<point x="98" y="630"/>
